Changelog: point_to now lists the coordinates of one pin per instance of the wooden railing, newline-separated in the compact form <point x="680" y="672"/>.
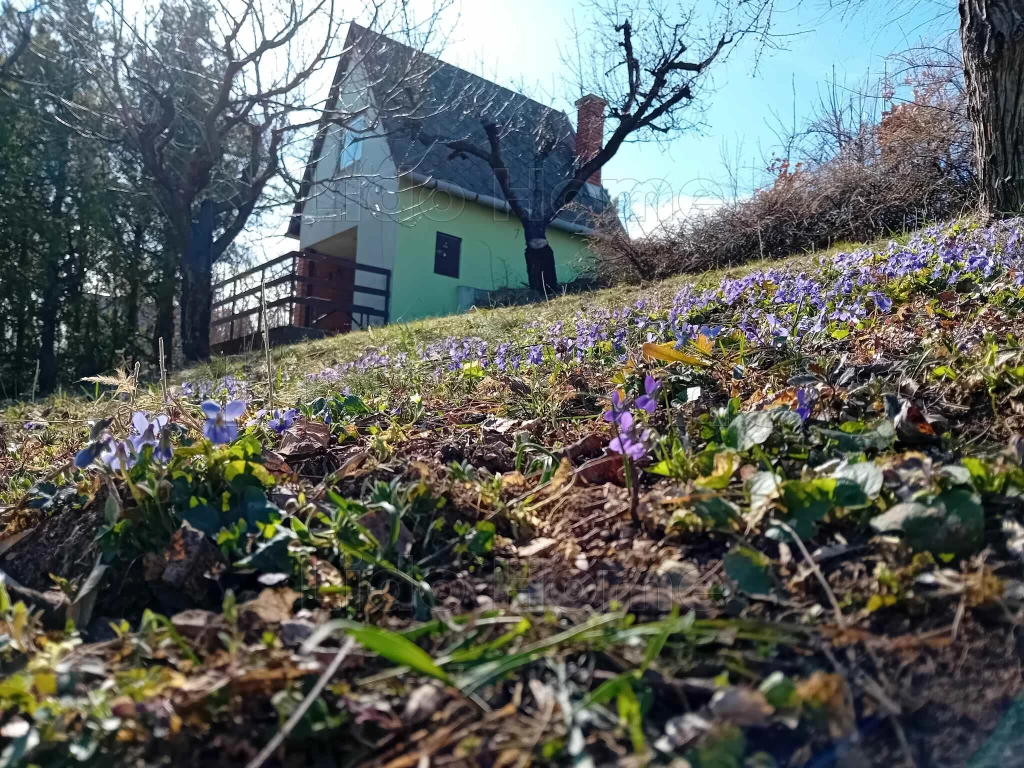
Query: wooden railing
<point x="293" y="309"/>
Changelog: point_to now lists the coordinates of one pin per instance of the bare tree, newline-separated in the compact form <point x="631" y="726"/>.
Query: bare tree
<point x="210" y="94"/>
<point x="205" y="96"/>
<point x="647" y="67"/>
<point x="15" y="35"/>
<point x="992" y="43"/>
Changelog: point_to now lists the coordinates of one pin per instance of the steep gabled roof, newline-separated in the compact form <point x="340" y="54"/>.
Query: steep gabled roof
<point x="424" y="103"/>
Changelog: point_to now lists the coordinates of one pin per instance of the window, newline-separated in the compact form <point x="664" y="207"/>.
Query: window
<point x="351" y="143"/>
<point x="446" y="255"/>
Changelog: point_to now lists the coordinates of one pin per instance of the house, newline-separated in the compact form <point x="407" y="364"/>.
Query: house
<point x="393" y="225"/>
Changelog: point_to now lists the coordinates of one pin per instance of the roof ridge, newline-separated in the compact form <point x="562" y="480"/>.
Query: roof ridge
<point x="417" y="52"/>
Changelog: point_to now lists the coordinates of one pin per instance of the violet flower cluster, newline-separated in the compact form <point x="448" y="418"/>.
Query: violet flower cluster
<point x="229" y="386"/>
<point x="122" y="455"/>
<point x="767" y="306"/>
<point x="631" y="440"/>
<point x="280" y="419"/>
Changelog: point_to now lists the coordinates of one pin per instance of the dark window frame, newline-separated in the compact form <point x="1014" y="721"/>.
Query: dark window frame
<point x="447" y="248"/>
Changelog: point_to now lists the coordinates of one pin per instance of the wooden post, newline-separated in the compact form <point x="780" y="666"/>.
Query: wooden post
<point x="231" y="327"/>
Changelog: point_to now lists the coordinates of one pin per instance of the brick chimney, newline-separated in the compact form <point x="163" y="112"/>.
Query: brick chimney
<point x="590" y="130"/>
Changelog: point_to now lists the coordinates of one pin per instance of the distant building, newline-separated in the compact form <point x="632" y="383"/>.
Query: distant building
<point x="397" y="226"/>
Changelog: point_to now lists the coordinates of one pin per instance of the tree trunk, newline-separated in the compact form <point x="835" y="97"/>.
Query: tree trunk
<point x="128" y="336"/>
<point x="49" y="313"/>
<point x="197" y="287"/>
<point x="540" y="260"/>
<point x="56" y="249"/>
<point x="992" y="35"/>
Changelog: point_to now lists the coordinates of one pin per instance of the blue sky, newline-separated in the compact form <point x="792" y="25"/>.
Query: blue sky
<point x="502" y="40"/>
<point x="519" y="43"/>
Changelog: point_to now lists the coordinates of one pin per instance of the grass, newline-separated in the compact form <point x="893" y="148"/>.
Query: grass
<point x="591" y="542"/>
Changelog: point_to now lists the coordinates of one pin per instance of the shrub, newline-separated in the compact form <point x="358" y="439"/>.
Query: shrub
<point x="913" y="166"/>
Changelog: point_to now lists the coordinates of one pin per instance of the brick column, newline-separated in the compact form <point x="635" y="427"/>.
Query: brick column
<point x="590" y="130"/>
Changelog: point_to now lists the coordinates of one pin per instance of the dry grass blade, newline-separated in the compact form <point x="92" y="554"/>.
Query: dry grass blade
<point x="303" y="707"/>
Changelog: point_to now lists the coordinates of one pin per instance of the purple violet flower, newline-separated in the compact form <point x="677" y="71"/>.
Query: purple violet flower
<point x="627" y="445"/>
<point x="148" y="432"/>
<point x="221" y="427"/>
<point x="119" y="455"/>
<point x="647" y="401"/>
<point x="282" y="420"/>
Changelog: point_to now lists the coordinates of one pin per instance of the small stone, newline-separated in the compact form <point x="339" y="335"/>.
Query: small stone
<point x="536" y="547"/>
<point x="742" y="706"/>
<point x="295" y="632"/>
<point x="422" y="703"/>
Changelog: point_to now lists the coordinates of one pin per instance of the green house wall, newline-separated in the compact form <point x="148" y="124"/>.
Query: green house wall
<point x="492" y="252"/>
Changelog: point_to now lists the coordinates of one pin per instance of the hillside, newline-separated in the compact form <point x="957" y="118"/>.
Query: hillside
<point x="768" y="516"/>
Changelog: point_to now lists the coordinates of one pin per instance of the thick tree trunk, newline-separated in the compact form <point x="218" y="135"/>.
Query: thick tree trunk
<point x="992" y="35"/>
<point x="540" y="260"/>
<point x="197" y="287"/>
<point x="49" y="313"/>
<point x="127" y="333"/>
<point x="56" y="248"/>
<point x="163" y="326"/>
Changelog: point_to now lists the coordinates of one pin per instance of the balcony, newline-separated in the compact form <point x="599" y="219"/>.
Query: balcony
<point x="309" y="295"/>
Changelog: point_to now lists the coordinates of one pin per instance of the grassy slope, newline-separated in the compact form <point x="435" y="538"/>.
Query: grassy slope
<point x="491" y="325"/>
<point x="505" y="500"/>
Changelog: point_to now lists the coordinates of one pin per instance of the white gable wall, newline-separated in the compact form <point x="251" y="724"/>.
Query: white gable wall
<point x="364" y="196"/>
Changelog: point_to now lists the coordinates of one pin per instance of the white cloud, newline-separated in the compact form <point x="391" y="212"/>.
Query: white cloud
<point x="647" y="207"/>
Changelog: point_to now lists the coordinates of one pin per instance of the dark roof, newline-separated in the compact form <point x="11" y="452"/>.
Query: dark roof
<point x="423" y="102"/>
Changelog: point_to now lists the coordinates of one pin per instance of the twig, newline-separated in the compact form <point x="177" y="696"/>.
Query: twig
<point x="958" y="617"/>
<point x="163" y="371"/>
<point x="35" y="382"/>
<point x="840" y="619"/>
<point x="135" y="382"/>
<point x="266" y="344"/>
<point x="307" y="702"/>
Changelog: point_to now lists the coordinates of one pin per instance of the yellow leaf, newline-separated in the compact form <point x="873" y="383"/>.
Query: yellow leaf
<point x="880" y="601"/>
<point x="704" y="344"/>
<point x="670" y="354"/>
<point x="45" y="683"/>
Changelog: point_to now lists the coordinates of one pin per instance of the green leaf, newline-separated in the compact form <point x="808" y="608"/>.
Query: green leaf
<point x="866" y="474"/>
<point x="657" y="643"/>
<point x="807" y="502"/>
<point x="848" y="494"/>
<point x="779" y="691"/>
<point x="631" y="716"/>
<point x="879" y="438"/>
<point x="483" y="538"/>
<point x="607" y="690"/>
<point x="721" y="474"/>
<point x="271" y="557"/>
<point x="239" y="467"/>
<point x="662" y="468"/>
<point x="204" y="518"/>
<point x="953" y="522"/>
<point x="750" y="429"/>
<point x="750" y="570"/>
<point x="111" y="509"/>
<point x="355" y="406"/>
<point x="251" y="503"/>
<point x="763" y="487"/>
<point x="717" y="512"/>
<point x="397" y="650"/>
